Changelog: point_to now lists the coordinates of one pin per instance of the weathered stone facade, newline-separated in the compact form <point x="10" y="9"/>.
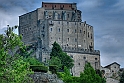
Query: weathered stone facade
<point x="60" y="22"/>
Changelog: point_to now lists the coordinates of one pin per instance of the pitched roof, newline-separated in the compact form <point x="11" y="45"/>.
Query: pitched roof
<point x="112" y="64"/>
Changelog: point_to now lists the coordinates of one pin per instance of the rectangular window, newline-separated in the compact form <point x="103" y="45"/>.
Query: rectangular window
<point x="84" y="32"/>
<point x="80" y="31"/>
<point x="68" y="39"/>
<point x="51" y="29"/>
<point x="59" y="29"/>
<point x="75" y="31"/>
<point x="67" y="30"/>
<point x="58" y="22"/>
<point x="88" y="34"/>
<point x="68" y="15"/>
<point x="75" y="39"/>
<point x="91" y="36"/>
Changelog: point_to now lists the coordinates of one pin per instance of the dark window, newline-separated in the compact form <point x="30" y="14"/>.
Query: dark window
<point x="43" y="27"/>
<point x="84" y="32"/>
<point x="67" y="23"/>
<point x="75" y="31"/>
<point x="59" y="38"/>
<point x="67" y="30"/>
<point x="67" y="44"/>
<point x="45" y="6"/>
<point x="84" y="41"/>
<point x="51" y="29"/>
<point x="75" y="39"/>
<point x="88" y="34"/>
<point x="55" y="5"/>
<point x="95" y="58"/>
<point x="91" y="36"/>
<point x="84" y="58"/>
<point x="80" y="31"/>
<point x="68" y="39"/>
<point x="59" y="29"/>
<point x="78" y="63"/>
<point x="58" y="16"/>
<point x="58" y="22"/>
<point x="68" y="15"/>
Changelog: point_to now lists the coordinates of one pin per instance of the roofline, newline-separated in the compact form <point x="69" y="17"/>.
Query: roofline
<point x="112" y="64"/>
<point x="58" y="3"/>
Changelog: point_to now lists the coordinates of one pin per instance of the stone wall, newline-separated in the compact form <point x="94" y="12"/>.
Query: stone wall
<point x="110" y="80"/>
<point x="39" y="77"/>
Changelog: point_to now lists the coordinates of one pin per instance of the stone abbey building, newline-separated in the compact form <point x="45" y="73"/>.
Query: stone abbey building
<point x="60" y="22"/>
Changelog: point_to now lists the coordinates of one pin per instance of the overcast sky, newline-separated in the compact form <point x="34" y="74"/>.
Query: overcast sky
<point x="106" y="16"/>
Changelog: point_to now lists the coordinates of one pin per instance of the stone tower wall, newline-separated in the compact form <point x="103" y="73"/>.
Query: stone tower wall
<point x="80" y="59"/>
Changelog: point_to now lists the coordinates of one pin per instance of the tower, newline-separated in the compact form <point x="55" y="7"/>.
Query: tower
<point x="60" y="22"/>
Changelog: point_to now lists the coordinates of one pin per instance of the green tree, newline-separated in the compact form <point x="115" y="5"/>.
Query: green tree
<point x="64" y="58"/>
<point x="122" y="78"/>
<point x="89" y="75"/>
<point x="13" y="69"/>
<point x="66" y="76"/>
<point x="55" y="61"/>
<point x="56" y="50"/>
<point x="32" y="61"/>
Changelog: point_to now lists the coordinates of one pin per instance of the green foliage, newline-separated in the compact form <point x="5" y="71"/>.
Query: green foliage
<point x="39" y="68"/>
<point x="53" y="69"/>
<point x="90" y="76"/>
<point x="56" y="50"/>
<point x="13" y="69"/>
<point x="55" y="61"/>
<point x="32" y="61"/>
<point x="64" y="58"/>
<point x="66" y="76"/>
<point x="122" y="78"/>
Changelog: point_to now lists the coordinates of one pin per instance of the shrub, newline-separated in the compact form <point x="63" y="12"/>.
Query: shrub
<point x="53" y="68"/>
<point x="39" y="68"/>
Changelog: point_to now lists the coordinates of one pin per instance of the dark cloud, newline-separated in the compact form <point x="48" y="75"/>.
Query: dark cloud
<point x="104" y="15"/>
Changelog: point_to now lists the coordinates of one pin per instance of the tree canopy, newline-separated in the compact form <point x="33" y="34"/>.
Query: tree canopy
<point x="89" y="75"/>
<point x="13" y="68"/>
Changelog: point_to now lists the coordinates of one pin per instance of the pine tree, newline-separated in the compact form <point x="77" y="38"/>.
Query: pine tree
<point x="64" y="58"/>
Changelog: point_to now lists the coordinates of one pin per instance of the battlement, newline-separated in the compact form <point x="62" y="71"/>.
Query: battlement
<point x="81" y="50"/>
